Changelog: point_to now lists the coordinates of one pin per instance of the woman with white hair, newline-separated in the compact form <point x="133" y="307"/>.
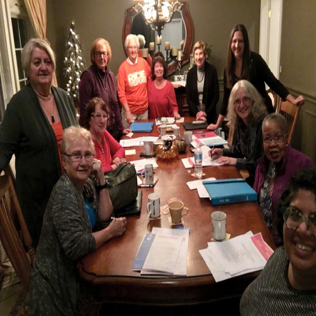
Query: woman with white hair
<point x="75" y="224"/>
<point x="32" y="129"/>
<point x="132" y="79"/>
<point x="246" y="112"/>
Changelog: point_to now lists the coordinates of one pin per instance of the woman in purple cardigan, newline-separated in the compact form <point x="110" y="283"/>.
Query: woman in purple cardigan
<point x="99" y="81"/>
<point x="275" y="168"/>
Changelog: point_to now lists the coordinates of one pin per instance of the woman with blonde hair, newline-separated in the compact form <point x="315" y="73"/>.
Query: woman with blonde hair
<point x="32" y="130"/>
<point x="246" y="112"/>
<point x="99" y="81"/>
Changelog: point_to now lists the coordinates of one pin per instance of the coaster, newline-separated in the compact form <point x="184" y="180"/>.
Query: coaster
<point x="193" y="175"/>
<point x="226" y="238"/>
<point x="175" y="224"/>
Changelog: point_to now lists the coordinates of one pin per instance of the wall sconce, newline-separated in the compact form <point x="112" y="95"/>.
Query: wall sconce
<point x="157" y="12"/>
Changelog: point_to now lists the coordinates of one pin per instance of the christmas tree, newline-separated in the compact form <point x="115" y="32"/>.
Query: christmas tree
<point x="74" y="64"/>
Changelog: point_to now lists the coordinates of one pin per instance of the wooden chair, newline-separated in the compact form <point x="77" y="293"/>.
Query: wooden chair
<point x="14" y="235"/>
<point x="291" y="112"/>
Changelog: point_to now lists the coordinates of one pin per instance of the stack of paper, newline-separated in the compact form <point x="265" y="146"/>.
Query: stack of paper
<point x="240" y="255"/>
<point x="198" y="185"/>
<point x="206" y="159"/>
<point x="209" y="140"/>
<point x="163" y="252"/>
<point x="139" y="141"/>
<point x="169" y="120"/>
<point x="140" y="164"/>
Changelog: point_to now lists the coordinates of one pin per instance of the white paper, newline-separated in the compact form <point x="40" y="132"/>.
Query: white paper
<point x="208" y="141"/>
<point x="163" y="255"/>
<point x="129" y="152"/>
<point x="193" y="185"/>
<point x="139" y="141"/>
<point x="181" y="265"/>
<point x="140" y="164"/>
<point x="206" y="159"/>
<point x="181" y="83"/>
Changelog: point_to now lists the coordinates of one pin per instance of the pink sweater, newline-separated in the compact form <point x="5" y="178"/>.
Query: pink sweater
<point x="132" y="85"/>
<point x="111" y="149"/>
<point x="162" y="102"/>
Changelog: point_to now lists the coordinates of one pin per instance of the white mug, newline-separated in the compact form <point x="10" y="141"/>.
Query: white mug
<point x="153" y="205"/>
<point x="219" y="225"/>
<point x="148" y="145"/>
<point x="188" y="137"/>
<point x="176" y="130"/>
<point x="148" y="174"/>
<point x="162" y="129"/>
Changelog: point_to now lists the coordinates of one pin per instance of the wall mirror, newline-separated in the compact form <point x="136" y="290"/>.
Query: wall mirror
<point x="180" y="28"/>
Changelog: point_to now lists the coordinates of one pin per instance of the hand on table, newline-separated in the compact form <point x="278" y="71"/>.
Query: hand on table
<point x="230" y="161"/>
<point x="215" y="153"/>
<point x="212" y="127"/>
<point x="126" y="131"/>
<point x="118" y="226"/>
<point x="117" y="161"/>
<point x="201" y="116"/>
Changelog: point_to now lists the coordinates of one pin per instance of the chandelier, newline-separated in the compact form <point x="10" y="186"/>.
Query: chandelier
<point x="157" y="12"/>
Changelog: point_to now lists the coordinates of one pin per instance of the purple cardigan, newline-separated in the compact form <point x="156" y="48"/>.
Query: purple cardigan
<point x="96" y="83"/>
<point x="293" y="161"/>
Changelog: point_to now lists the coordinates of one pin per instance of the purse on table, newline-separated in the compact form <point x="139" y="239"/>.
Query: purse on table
<point x="122" y="185"/>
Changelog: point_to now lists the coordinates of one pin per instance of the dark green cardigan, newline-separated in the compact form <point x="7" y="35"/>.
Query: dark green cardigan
<point x="27" y="133"/>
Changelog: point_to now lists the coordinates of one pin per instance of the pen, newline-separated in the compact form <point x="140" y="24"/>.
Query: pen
<point x="148" y="185"/>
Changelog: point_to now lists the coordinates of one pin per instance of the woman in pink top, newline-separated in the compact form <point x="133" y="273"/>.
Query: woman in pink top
<point x="161" y="96"/>
<point x="107" y="149"/>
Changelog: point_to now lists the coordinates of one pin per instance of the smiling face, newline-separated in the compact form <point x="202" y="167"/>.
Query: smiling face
<point x="237" y="45"/>
<point x="274" y="149"/>
<point x="101" y="56"/>
<point x="132" y="50"/>
<point x="300" y="244"/>
<point x="78" y="171"/>
<point x="243" y="105"/>
<point x="98" y="121"/>
<point x="41" y="68"/>
<point x="158" y="70"/>
<point x="199" y="58"/>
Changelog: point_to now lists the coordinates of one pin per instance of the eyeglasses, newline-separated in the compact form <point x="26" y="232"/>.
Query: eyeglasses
<point x="132" y="47"/>
<point x="277" y="138"/>
<point x="293" y="218"/>
<point x="244" y="100"/>
<point x="98" y="116"/>
<point x="99" y="54"/>
<point x="77" y="156"/>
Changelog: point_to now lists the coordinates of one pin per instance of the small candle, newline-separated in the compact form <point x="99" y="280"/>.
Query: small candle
<point x="167" y="45"/>
<point x="151" y="46"/>
<point x="179" y="54"/>
<point x="145" y="52"/>
<point x="174" y="51"/>
<point x="158" y="40"/>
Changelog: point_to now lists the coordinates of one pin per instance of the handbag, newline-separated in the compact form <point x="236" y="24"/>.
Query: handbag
<point x="122" y="185"/>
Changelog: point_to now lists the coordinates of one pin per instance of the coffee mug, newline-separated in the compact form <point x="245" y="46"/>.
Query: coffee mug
<point x="153" y="206"/>
<point x="176" y="130"/>
<point x="148" y="174"/>
<point x="218" y="225"/>
<point x="177" y="211"/>
<point x="148" y="145"/>
<point x="162" y="129"/>
<point x="188" y="137"/>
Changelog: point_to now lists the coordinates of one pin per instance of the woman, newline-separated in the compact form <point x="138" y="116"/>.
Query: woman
<point x="246" y="111"/>
<point x="275" y="168"/>
<point x="161" y="96"/>
<point x="287" y="285"/>
<point x="32" y="129"/>
<point x="72" y="227"/>
<point x="245" y="64"/>
<point x="132" y="83"/>
<point x="202" y="86"/>
<point x="107" y="149"/>
<point x="99" y="81"/>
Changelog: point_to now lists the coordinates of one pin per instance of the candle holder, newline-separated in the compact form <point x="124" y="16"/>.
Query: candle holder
<point x="158" y="46"/>
<point x="168" y="57"/>
<point x="179" y="66"/>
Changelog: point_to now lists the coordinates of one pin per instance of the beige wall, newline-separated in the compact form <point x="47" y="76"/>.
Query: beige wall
<point x="299" y="67"/>
<point x="213" y="21"/>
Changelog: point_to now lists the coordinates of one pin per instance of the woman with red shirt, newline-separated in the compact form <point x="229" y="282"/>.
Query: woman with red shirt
<point x="107" y="149"/>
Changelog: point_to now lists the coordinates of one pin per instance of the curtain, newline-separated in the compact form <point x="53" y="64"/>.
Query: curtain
<point x="37" y="12"/>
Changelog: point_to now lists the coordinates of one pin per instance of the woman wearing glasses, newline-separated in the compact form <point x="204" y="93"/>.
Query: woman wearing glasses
<point x="107" y="149"/>
<point x="99" y="81"/>
<point x="287" y="285"/>
<point x="242" y="63"/>
<point x="275" y="168"/>
<point x="246" y="111"/>
<point x="73" y="226"/>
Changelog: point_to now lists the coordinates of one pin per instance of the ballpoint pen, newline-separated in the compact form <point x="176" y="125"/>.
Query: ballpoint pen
<point x="148" y="185"/>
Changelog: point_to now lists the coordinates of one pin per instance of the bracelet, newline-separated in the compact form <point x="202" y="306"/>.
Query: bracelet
<point x="101" y="187"/>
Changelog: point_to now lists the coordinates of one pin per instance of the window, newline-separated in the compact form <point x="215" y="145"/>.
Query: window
<point x="20" y="39"/>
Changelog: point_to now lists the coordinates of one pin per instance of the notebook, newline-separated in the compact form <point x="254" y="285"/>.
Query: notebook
<point x="191" y="126"/>
<point x="142" y="127"/>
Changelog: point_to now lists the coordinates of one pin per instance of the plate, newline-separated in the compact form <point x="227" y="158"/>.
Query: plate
<point x="168" y="137"/>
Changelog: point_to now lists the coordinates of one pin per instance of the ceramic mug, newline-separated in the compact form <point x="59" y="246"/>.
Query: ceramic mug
<point x="148" y="145"/>
<point x="148" y="174"/>
<point x="188" y="137"/>
<point x="176" y="130"/>
<point x="177" y="211"/>
<point x="153" y="206"/>
<point x="218" y="225"/>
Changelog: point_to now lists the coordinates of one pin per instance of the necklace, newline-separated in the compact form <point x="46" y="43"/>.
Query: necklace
<point x="201" y="76"/>
<point x="43" y="97"/>
<point x="51" y="114"/>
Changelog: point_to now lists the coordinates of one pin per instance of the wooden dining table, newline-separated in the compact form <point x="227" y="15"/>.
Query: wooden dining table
<point x="108" y="269"/>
